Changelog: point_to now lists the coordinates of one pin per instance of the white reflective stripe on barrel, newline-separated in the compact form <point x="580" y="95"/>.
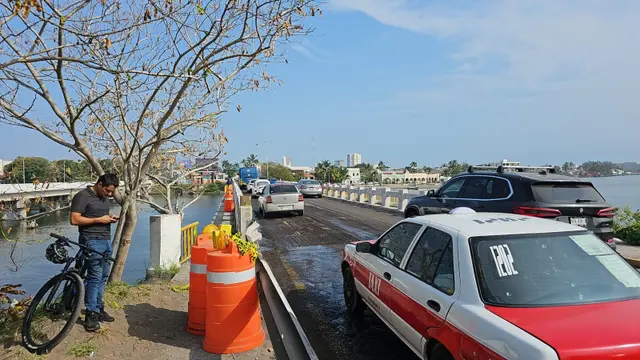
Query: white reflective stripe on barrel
<point x="228" y="278"/>
<point x="198" y="268"/>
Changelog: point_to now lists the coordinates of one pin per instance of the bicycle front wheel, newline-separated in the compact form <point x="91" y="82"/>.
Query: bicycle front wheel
<point x="52" y="313"/>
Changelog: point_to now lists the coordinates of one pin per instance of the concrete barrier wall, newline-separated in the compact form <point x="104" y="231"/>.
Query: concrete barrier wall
<point x="389" y="198"/>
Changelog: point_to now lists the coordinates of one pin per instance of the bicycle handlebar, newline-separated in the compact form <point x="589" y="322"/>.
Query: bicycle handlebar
<point x="85" y="247"/>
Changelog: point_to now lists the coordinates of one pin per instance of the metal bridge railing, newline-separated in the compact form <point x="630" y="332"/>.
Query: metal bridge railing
<point x="188" y="239"/>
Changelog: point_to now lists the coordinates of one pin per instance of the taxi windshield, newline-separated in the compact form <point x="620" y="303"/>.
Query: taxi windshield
<point x="551" y="269"/>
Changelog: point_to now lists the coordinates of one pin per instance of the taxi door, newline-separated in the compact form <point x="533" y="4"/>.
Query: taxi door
<point x="369" y="273"/>
<point x="388" y="253"/>
<point x="425" y="285"/>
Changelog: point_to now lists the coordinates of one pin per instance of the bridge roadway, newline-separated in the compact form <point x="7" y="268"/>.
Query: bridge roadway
<point x="304" y="253"/>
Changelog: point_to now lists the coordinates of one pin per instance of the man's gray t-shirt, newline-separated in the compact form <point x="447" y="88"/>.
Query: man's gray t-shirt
<point x="90" y="205"/>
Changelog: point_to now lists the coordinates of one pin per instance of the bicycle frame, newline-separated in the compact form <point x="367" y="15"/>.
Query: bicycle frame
<point x="67" y="292"/>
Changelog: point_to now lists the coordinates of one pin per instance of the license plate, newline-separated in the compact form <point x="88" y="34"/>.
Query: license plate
<point x="286" y="207"/>
<point x="580" y="221"/>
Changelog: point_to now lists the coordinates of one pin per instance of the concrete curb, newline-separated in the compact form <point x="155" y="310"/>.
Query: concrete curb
<point x="368" y="206"/>
<point x="633" y="262"/>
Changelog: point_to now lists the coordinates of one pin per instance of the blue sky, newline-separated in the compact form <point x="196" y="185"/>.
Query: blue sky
<point x="429" y="81"/>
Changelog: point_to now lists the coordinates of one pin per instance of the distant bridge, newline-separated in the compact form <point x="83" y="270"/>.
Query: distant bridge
<point x="15" y="192"/>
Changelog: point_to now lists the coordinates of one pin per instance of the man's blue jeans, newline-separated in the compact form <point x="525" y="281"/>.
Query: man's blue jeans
<point x="97" y="275"/>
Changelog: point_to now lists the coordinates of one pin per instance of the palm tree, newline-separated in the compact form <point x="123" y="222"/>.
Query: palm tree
<point x="382" y="166"/>
<point x="413" y="167"/>
<point x="251" y="160"/>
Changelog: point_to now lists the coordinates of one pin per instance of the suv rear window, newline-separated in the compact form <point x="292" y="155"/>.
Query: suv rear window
<point x="551" y="269"/>
<point x="284" y="189"/>
<point x="566" y="193"/>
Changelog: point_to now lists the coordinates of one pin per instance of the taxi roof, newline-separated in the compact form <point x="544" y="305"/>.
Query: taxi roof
<point x="487" y="224"/>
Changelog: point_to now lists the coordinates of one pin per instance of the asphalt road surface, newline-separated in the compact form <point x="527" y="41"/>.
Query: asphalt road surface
<point x="305" y="252"/>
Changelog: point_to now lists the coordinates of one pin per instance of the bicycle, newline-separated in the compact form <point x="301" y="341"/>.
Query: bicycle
<point x="68" y="302"/>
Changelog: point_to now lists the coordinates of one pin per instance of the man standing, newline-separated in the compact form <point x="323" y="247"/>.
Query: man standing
<point x="90" y="213"/>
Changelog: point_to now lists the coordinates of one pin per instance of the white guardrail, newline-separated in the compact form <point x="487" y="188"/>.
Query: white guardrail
<point x="384" y="197"/>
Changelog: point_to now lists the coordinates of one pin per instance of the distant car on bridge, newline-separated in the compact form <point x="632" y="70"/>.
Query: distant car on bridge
<point x="526" y="190"/>
<point x="309" y="187"/>
<point x="467" y="285"/>
<point x="258" y="186"/>
<point x="280" y="198"/>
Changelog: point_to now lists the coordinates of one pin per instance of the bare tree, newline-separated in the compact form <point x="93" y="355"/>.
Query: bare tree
<point x="136" y="81"/>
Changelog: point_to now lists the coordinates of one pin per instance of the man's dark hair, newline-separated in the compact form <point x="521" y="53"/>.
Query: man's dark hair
<point x="108" y="180"/>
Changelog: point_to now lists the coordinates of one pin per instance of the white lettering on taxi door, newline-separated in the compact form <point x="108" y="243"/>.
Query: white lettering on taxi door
<point x="374" y="284"/>
<point x="503" y="259"/>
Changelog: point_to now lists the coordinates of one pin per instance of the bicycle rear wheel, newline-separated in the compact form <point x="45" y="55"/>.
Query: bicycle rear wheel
<point x="51" y="310"/>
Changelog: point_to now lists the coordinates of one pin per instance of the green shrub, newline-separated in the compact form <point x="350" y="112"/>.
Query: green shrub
<point x="626" y="225"/>
<point x="214" y="188"/>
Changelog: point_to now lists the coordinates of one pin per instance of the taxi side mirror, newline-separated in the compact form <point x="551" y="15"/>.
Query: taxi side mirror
<point x="363" y="247"/>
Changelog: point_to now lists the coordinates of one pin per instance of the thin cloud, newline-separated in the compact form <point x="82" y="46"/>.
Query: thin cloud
<point x="305" y="51"/>
<point x="535" y="40"/>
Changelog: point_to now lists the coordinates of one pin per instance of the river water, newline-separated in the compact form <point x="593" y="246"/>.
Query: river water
<point x="31" y="269"/>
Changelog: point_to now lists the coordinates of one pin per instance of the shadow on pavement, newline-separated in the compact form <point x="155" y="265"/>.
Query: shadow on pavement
<point x="164" y="326"/>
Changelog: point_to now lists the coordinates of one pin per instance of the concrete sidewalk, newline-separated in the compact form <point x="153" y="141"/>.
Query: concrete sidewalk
<point x="631" y="253"/>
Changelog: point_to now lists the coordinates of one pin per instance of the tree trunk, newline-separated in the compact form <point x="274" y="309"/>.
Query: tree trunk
<point x="131" y="218"/>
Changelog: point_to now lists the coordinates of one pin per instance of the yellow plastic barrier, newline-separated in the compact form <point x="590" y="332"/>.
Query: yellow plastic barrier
<point x="226" y="228"/>
<point x="209" y="229"/>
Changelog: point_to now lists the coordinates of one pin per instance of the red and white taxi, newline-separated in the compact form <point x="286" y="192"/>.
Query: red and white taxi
<point x="480" y="286"/>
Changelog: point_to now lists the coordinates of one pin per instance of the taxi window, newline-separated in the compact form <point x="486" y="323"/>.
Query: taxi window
<point x="550" y="270"/>
<point x="394" y="244"/>
<point x="432" y="260"/>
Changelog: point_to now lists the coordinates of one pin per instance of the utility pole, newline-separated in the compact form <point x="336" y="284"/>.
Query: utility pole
<point x="24" y="179"/>
<point x="64" y="171"/>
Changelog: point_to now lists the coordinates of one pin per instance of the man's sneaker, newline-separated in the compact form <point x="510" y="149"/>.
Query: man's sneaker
<point x="104" y="317"/>
<point x="91" y="321"/>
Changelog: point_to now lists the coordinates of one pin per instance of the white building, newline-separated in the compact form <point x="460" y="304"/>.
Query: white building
<point x="506" y="162"/>
<point x="354" y="159"/>
<point x="353" y="176"/>
<point x="4" y="163"/>
<point x="301" y="168"/>
<point x="402" y="176"/>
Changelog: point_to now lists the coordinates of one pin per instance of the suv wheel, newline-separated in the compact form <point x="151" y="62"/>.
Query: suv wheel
<point x="411" y="213"/>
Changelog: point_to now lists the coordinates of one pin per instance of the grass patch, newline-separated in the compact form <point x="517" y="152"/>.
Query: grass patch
<point x="118" y="290"/>
<point x="164" y="273"/>
<point x="82" y="349"/>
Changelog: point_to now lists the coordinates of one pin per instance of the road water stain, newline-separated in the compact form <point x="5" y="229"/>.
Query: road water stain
<point x="325" y="319"/>
<point x="359" y="233"/>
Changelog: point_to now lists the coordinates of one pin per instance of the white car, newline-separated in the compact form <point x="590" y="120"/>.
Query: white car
<point x="250" y="185"/>
<point x="281" y="198"/>
<point x="258" y="187"/>
<point x="468" y="285"/>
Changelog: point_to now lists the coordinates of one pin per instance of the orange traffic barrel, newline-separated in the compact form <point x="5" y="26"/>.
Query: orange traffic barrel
<point x="233" y="322"/>
<point x="198" y="286"/>
<point x="228" y="203"/>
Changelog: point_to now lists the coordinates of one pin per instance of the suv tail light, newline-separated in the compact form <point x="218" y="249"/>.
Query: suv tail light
<point x="269" y="199"/>
<point x="537" y="212"/>
<point x="302" y="187"/>
<point x="608" y="212"/>
<point x="300" y="198"/>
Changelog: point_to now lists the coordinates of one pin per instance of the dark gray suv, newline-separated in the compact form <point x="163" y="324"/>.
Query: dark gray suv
<point x="536" y="193"/>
